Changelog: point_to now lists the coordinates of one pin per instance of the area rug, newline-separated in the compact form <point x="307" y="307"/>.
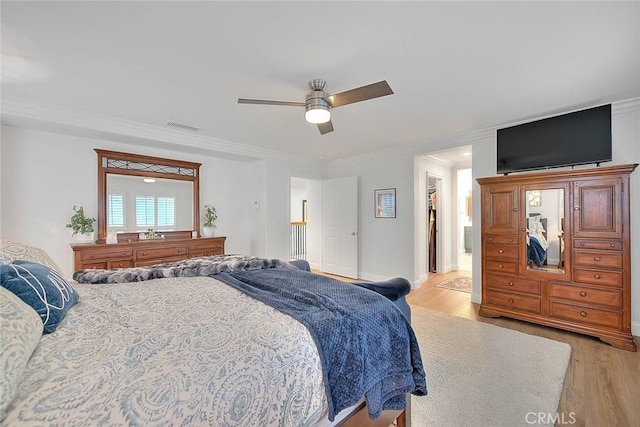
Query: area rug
<point x="483" y="375"/>
<point x="460" y="282"/>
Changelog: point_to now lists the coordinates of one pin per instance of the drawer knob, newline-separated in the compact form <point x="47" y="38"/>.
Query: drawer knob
<point x="179" y="250"/>
<point x="576" y="208"/>
<point x="596" y="276"/>
<point x="501" y="251"/>
<point x="511" y="240"/>
<point x="144" y="253"/>
<point x="90" y="256"/>
<point x="501" y="266"/>
<point x="511" y="283"/>
<point x="511" y="300"/>
<point x="581" y="243"/>
<point x="491" y="239"/>
<point x="612" y="245"/>
<point x="583" y="294"/>
<point x="596" y="258"/>
<point x="515" y="209"/>
<point x="120" y="265"/>
<point x="583" y="313"/>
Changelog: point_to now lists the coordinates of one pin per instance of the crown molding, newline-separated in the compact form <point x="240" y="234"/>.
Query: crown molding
<point x="625" y="106"/>
<point x="102" y="126"/>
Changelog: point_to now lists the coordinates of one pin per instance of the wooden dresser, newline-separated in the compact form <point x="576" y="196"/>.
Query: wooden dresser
<point x="588" y="288"/>
<point x="144" y="252"/>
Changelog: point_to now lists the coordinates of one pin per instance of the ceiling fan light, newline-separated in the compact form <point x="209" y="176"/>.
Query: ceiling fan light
<point x="318" y="114"/>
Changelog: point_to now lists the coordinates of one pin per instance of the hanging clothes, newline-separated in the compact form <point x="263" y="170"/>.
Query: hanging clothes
<point x="432" y="231"/>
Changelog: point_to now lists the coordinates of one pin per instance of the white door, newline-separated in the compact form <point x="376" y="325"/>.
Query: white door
<point x="340" y="231"/>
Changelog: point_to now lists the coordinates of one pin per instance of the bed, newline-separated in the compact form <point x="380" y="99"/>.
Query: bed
<point x="179" y="345"/>
<point x="537" y="243"/>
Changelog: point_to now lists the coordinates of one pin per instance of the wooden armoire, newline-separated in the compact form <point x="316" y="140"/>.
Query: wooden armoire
<point x="584" y="283"/>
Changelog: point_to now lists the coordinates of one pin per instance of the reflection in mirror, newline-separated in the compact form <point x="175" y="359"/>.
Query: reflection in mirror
<point x="136" y="204"/>
<point x="545" y="230"/>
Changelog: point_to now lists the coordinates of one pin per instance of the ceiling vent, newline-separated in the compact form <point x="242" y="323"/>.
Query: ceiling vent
<point x="183" y="126"/>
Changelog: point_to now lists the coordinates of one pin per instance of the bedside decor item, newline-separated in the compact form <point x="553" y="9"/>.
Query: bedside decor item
<point x="385" y="203"/>
<point x="81" y="225"/>
<point x="209" y="219"/>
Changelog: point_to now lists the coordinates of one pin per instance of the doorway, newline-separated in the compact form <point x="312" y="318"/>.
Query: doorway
<point x="434" y="189"/>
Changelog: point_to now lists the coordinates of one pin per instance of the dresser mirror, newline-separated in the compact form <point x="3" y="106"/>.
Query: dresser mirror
<point x="544" y="229"/>
<point x="140" y="193"/>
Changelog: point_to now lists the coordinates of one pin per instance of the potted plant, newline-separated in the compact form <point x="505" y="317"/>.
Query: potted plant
<point x="209" y="218"/>
<point x="81" y="225"/>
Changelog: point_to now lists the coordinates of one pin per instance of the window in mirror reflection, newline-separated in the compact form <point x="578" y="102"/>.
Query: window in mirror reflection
<point x="545" y="230"/>
<point x="136" y="205"/>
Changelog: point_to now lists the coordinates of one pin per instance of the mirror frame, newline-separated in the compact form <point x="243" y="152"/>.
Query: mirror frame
<point x="115" y="162"/>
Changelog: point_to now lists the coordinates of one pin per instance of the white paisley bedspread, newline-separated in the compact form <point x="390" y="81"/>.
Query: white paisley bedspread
<point x="178" y="351"/>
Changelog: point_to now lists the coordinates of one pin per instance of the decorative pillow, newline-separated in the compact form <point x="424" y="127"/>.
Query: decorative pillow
<point x="11" y="251"/>
<point x="21" y="332"/>
<point x="42" y="288"/>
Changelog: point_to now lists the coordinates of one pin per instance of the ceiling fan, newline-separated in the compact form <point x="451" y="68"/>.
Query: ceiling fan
<point x="318" y="103"/>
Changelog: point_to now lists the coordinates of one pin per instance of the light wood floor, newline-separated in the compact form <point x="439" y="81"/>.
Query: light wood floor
<point x="602" y="386"/>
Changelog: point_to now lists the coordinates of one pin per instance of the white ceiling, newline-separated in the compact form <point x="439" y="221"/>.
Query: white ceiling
<point x="455" y="67"/>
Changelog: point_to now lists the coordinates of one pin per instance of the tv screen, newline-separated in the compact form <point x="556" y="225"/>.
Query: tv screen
<point x="577" y="138"/>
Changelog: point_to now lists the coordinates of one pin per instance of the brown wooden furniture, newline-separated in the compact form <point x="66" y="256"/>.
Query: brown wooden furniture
<point x="590" y="292"/>
<point x="140" y="253"/>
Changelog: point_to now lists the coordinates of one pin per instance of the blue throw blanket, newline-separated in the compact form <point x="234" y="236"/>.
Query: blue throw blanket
<point x="381" y="361"/>
<point x="537" y="254"/>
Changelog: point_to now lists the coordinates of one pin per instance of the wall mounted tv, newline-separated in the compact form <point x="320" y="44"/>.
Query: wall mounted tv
<point x="577" y="138"/>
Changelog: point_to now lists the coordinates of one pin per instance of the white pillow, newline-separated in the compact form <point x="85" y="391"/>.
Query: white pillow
<point x="21" y="332"/>
<point x="11" y="251"/>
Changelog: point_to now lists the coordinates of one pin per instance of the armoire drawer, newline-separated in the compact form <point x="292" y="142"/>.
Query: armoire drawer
<point x="607" y="245"/>
<point x="515" y="302"/>
<point x="597" y="259"/>
<point x="510" y="267"/>
<point x="513" y="284"/>
<point x="502" y="239"/>
<point x="501" y="250"/>
<point x="598" y="277"/>
<point x="585" y="295"/>
<point x="586" y="315"/>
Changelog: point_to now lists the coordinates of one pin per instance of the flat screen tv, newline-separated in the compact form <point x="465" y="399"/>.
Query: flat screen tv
<point x="577" y="138"/>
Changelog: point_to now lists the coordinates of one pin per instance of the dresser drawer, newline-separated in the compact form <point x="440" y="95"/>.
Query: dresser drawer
<point x="598" y="277"/>
<point x="513" y="284"/>
<point x="515" y="302"/>
<point x="502" y="239"/>
<point x="501" y="250"/>
<point x="160" y="253"/>
<point x="119" y="263"/>
<point x="586" y="315"/>
<point x="586" y="295"/>
<point x="105" y="254"/>
<point x="99" y="264"/>
<point x="607" y="245"/>
<point x="502" y="266"/>
<point x="597" y="259"/>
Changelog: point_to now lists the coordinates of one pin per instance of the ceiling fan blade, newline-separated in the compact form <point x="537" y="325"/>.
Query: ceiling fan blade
<point x="267" y="102"/>
<point x="325" y="127"/>
<point x="362" y="93"/>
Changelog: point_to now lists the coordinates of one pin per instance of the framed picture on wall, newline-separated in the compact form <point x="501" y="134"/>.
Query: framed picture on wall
<point x="385" y="203"/>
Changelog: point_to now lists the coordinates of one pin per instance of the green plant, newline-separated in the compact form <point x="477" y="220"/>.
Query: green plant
<point x="80" y="223"/>
<point x="210" y="216"/>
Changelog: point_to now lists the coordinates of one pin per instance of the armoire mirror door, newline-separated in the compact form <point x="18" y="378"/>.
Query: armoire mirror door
<point x="545" y="212"/>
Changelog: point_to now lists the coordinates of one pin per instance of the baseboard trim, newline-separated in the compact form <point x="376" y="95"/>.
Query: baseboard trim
<point x="635" y="329"/>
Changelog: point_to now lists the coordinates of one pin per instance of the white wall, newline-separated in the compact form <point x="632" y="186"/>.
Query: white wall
<point x="385" y="244"/>
<point x="44" y="174"/>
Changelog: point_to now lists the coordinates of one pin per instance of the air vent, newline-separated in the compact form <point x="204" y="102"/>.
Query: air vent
<point x="183" y="126"/>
